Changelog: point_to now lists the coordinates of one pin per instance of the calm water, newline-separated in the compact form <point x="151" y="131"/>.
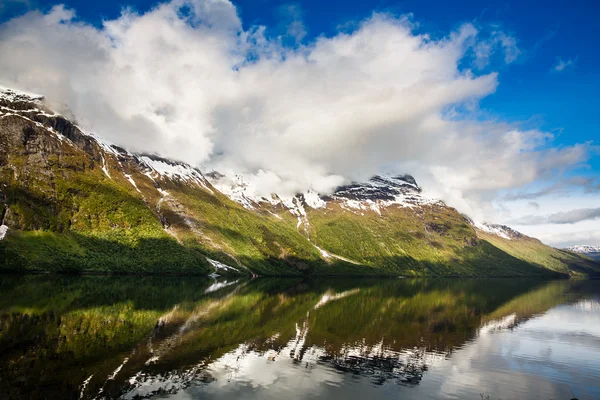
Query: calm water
<point x="107" y="337"/>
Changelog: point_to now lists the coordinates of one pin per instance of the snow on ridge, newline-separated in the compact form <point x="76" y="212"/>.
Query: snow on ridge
<point x="502" y="231"/>
<point x="394" y="180"/>
<point x="493" y="229"/>
<point x="584" y="248"/>
<point x="19" y="95"/>
<point x="379" y="192"/>
<point x="174" y="170"/>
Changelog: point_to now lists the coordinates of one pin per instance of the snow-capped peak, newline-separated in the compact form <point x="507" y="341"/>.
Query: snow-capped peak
<point x="584" y="249"/>
<point x="379" y="187"/>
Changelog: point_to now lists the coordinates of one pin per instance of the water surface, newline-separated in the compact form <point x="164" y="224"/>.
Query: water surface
<point x="188" y="338"/>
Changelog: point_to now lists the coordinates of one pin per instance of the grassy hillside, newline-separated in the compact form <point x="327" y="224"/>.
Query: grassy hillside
<point x="433" y="240"/>
<point x="535" y="252"/>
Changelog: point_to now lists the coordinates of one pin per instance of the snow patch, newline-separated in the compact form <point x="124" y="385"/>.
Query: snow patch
<point x="275" y="215"/>
<point x="84" y="386"/>
<point x="3" y="230"/>
<point x="104" y="167"/>
<point x="326" y="254"/>
<point x="116" y="371"/>
<point x="130" y="179"/>
<point x="220" y="266"/>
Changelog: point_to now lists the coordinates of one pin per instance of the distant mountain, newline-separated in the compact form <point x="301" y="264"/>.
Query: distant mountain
<point x="590" y="251"/>
<point x="70" y="201"/>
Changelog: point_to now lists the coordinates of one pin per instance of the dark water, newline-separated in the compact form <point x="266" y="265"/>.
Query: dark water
<point x="115" y="337"/>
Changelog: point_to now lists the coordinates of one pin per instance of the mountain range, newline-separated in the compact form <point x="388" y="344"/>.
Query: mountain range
<point x="72" y="202"/>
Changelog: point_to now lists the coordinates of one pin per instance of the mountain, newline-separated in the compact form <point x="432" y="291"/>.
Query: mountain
<point x="589" y="251"/>
<point x="70" y="201"/>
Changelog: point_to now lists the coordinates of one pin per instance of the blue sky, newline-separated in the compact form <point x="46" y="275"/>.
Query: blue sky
<point x="546" y="58"/>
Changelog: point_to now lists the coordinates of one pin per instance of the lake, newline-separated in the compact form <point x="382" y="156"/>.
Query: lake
<point x="97" y="337"/>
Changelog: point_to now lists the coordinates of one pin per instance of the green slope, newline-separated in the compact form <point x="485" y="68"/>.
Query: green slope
<point x="433" y="240"/>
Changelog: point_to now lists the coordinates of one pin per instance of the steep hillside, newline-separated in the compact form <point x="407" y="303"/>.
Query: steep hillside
<point x="72" y="202"/>
<point x="533" y="251"/>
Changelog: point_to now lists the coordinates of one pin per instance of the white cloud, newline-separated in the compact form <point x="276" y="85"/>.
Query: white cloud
<point x="561" y="64"/>
<point x="186" y="80"/>
<point x="497" y="40"/>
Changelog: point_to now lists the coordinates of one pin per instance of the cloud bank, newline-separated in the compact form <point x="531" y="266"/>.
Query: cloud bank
<point x="186" y="80"/>
<point x="562" y="187"/>
<point x="564" y="217"/>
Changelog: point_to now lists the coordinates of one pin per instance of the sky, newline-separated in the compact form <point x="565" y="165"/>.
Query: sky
<point x="492" y="106"/>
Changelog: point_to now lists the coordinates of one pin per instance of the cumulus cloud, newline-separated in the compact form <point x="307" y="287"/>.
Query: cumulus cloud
<point x="565" y="217"/>
<point x="187" y="81"/>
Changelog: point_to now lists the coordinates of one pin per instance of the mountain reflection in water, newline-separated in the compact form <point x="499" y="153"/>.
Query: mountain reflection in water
<point x="115" y="337"/>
